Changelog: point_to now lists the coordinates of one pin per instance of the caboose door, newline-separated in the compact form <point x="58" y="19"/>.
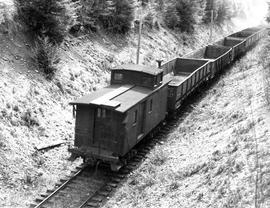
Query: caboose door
<point x="84" y="126"/>
<point x="141" y="124"/>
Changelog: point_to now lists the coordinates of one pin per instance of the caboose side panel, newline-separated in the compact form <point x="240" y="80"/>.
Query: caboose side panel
<point x="84" y="125"/>
<point x="156" y="108"/>
<point x="145" y="116"/>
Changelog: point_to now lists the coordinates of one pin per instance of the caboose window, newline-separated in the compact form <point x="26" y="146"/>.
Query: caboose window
<point x="118" y="76"/>
<point x="98" y="112"/>
<point x="159" y="79"/>
<point x="151" y="106"/>
<point x="146" y="81"/>
<point x="135" y="117"/>
<point x="103" y="113"/>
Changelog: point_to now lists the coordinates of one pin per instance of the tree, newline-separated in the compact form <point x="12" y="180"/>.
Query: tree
<point x="186" y="12"/>
<point x="42" y="19"/>
<point x="117" y="16"/>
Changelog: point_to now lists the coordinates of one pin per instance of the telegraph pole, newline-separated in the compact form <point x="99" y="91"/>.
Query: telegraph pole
<point x="211" y="27"/>
<point x="139" y="38"/>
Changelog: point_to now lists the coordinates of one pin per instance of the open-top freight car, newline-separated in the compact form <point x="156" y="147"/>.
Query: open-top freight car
<point x="236" y="44"/>
<point x="218" y="56"/>
<point x="241" y="41"/>
<point x="248" y="35"/>
<point x="188" y="75"/>
<point x="111" y="121"/>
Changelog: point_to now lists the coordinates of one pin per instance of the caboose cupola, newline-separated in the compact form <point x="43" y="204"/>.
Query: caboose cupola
<point x="144" y="76"/>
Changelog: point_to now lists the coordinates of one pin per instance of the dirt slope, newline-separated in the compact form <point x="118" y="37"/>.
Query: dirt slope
<point x="35" y="111"/>
<point x="217" y="152"/>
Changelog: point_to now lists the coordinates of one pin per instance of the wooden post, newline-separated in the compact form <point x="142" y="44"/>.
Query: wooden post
<point x="212" y="25"/>
<point x="139" y="39"/>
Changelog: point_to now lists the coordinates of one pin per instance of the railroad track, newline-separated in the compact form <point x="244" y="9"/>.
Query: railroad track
<point x="88" y="188"/>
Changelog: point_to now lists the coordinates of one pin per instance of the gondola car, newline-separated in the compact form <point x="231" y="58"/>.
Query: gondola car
<point x="218" y="56"/>
<point x="113" y="120"/>
<point x="236" y="44"/>
<point x="188" y="75"/>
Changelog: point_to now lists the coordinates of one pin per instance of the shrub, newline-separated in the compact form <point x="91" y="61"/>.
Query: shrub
<point x="88" y="13"/>
<point x="210" y="5"/>
<point x="45" y="57"/>
<point x="29" y="119"/>
<point x="184" y="14"/>
<point x="113" y="15"/>
<point x="117" y="16"/>
<point x="186" y="10"/>
<point x="7" y="25"/>
<point x="171" y="18"/>
<point x="41" y="18"/>
<point x="223" y="12"/>
<point x="46" y="23"/>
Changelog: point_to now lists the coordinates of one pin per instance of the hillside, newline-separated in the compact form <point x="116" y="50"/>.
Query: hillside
<point x="35" y="112"/>
<point x="217" y="155"/>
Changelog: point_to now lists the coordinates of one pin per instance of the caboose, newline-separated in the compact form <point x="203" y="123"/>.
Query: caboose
<point x="112" y="120"/>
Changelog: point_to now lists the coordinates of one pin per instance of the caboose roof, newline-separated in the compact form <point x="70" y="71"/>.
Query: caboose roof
<point x="139" y="68"/>
<point x="117" y="97"/>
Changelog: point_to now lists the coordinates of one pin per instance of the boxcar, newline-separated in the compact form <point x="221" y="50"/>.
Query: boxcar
<point x="218" y="56"/>
<point x="188" y="74"/>
<point x="111" y="121"/>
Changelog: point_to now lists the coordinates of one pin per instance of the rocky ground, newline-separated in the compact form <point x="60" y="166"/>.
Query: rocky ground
<point x="218" y="154"/>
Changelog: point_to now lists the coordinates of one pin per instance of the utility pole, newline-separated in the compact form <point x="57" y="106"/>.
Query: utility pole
<point x="211" y="26"/>
<point x="139" y="38"/>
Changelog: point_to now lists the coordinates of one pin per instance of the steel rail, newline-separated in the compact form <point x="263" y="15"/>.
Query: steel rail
<point x="60" y="188"/>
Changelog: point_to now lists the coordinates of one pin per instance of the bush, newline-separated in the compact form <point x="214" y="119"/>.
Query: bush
<point x="186" y="11"/>
<point x="45" y="57"/>
<point x="184" y="14"/>
<point x="113" y="15"/>
<point x="42" y="19"/>
<point x="7" y="25"/>
<point x="171" y="18"/>
<point x="47" y="23"/>
<point x="30" y="119"/>
<point x="117" y="16"/>
<point x="223" y="12"/>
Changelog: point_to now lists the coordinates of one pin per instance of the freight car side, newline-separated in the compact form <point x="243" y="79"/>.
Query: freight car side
<point x="188" y="75"/>
<point x="218" y="56"/>
<point x="236" y="44"/>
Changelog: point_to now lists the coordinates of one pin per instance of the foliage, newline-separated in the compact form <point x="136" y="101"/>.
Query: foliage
<point x="49" y="18"/>
<point x="223" y="12"/>
<point x="30" y="119"/>
<point x="45" y="57"/>
<point x="186" y="10"/>
<point x="171" y="18"/>
<point x="113" y="15"/>
<point x="153" y="13"/>
<point x="184" y="14"/>
<point x="7" y="25"/>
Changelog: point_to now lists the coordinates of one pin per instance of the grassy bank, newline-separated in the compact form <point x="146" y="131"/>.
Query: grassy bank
<point x="218" y="154"/>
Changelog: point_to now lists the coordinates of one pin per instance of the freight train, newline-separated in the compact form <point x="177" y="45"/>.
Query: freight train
<point x="112" y="120"/>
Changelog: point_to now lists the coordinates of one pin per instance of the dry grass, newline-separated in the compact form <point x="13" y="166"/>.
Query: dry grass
<point x="210" y="158"/>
